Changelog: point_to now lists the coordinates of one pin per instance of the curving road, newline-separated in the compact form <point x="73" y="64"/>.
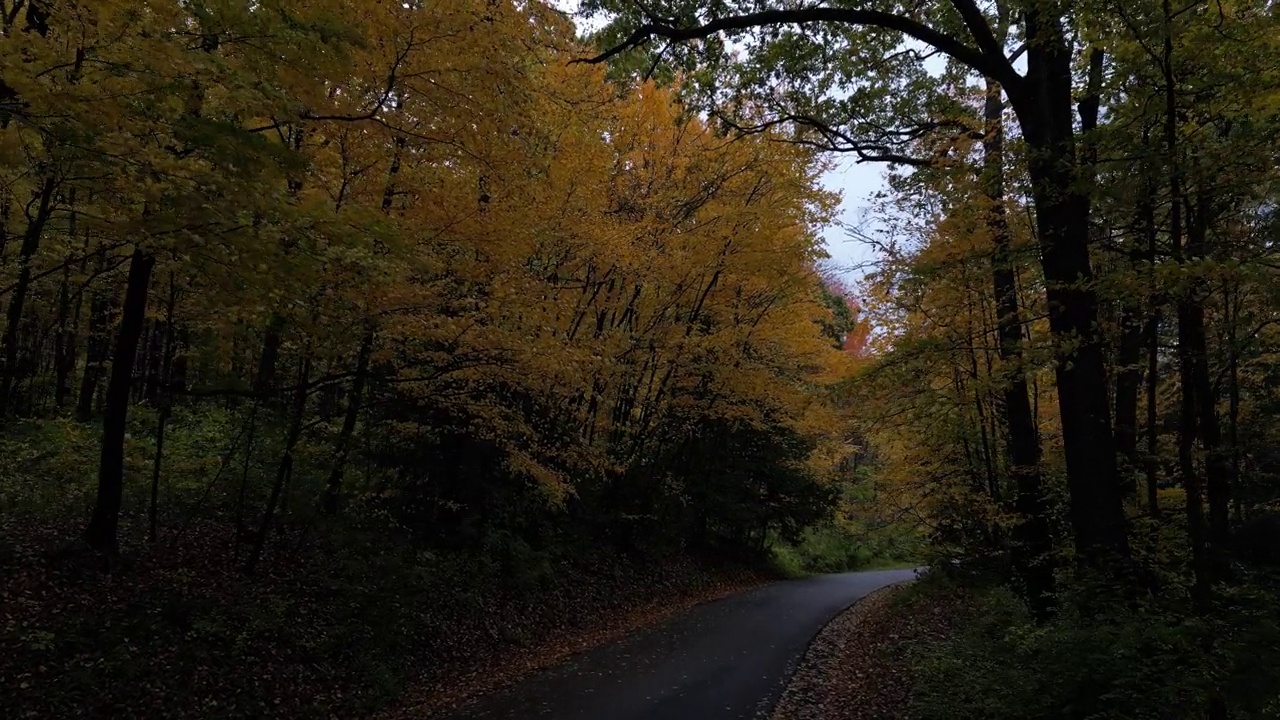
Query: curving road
<point x="726" y="660"/>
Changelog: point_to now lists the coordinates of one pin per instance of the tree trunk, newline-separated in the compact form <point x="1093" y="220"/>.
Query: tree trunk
<point x="243" y="491"/>
<point x="13" y="317"/>
<point x="265" y="378"/>
<point x="166" y="403"/>
<point x="1199" y="412"/>
<point x="1233" y="390"/>
<point x="153" y="359"/>
<point x="1128" y="382"/>
<point x="6" y="213"/>
<point x="101" y="533"/>
<point x="333" y="489"/>
<point x="1044" y="107"/>
<point x="285" y="469"/>
<point x="1152" y="460"/>
<point x="985" y="437"/>
<point x="95" y="353"/>
<point x="1186" y="458"/>
<point x="64" y="351"/>
<point x="1217" y="464"/>
<point x="1032" y="540"/>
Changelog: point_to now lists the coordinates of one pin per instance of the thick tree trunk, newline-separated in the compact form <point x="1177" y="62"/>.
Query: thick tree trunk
<point x="101" y="533"/>
<point x="1032" y="539"/>
<point x="1044" y="107"/>
<point x="333" y="489"/>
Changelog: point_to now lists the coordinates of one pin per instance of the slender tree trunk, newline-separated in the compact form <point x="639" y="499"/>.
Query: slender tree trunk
<point x="1152" y="461"/>
<point x="1032" y="540"/>
<point x="153" y="359"/>
<point x="13" y="317"/>
<point x="1191" y="484"/>
<point x="1128" y="383"/>
<point x="1199" y="402"/>
<point x="1233" y="398"/>
<point x="243" y="491"/>
<point x="6" y="213"/>
<point x="181" y="361"/>
<point x="971" y="465"/>
<point x="265" y="378"/>
<point x="988" y="454"/>
<point x="333" y="489"/>
<point x="1217" y="464"/>
<point x="284" y="470"/>
<point x="1151" y="333"/>
<point x="64" y="350"/>
<point x="166" y="405"/>
<point x="95" y="353"/>
<point x="1044" y="107"/>
<point x="1186" y="461"/>
<point x="101" y="533"/>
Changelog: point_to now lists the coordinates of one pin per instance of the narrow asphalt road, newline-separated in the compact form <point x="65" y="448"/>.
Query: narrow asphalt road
<point x="726" y="660"/>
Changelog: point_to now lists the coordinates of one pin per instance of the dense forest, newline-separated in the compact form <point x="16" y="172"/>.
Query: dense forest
<point x="349" y="346"/>
<point x="389" y="320"/>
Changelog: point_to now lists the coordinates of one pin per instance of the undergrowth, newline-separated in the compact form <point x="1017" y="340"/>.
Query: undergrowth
<point x="342" y="615"/>
<point x="1105" y="658"/>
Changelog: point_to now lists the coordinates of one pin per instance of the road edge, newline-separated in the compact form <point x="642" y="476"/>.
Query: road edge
<point x="768" y="706"/>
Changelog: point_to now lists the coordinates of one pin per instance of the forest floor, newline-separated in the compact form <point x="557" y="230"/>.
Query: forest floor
<point x="177" y="630"/>
<point x="859" y="666"/>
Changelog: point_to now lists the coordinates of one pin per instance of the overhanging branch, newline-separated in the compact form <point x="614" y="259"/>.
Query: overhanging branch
<point x="979" y="59"/>
<point x="834" y="139"/>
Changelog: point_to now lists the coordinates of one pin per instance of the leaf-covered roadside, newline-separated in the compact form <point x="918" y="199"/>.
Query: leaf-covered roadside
<point x="958" y="647"/>
<point x="859" y="667"/>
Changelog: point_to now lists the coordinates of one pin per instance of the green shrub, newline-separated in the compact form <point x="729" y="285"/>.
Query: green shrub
<point x="1137" y="661"/>
<point x="832" y="548"/>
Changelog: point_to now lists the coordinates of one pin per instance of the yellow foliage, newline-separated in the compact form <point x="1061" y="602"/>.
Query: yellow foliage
<point x="515" y="229"/>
